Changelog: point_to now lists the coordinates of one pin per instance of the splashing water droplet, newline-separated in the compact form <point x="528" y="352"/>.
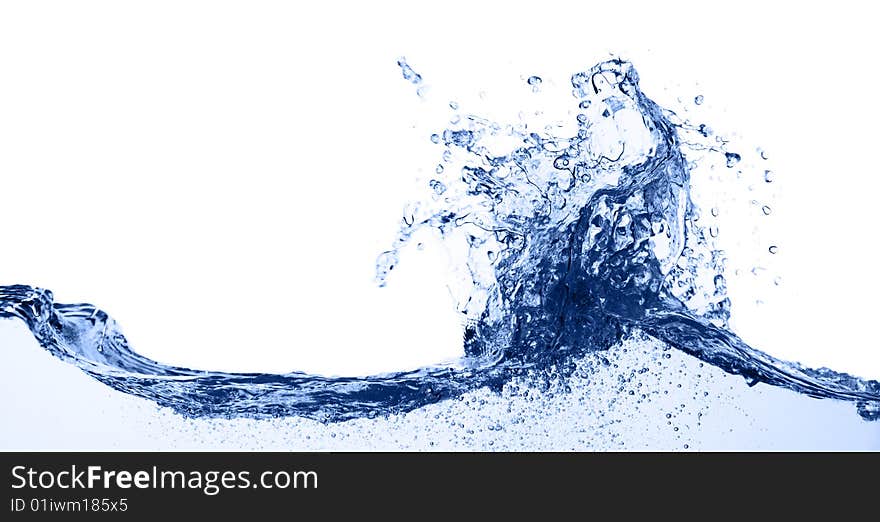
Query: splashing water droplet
<point x="535" y="82"/>
<point x="766" y="210"/>
<point x="773" y="249"/>
<point x="698" y="99"/>
<point x="732" y="159"/>
<point x="384" y="265"/>
<point x="408" y="72"/>
<point x="769" y="177"/>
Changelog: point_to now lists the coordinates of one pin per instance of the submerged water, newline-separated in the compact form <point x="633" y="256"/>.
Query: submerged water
<point x="566" y="242"/>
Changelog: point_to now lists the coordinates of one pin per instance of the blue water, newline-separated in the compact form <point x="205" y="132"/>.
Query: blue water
<point x="566" y="244"/>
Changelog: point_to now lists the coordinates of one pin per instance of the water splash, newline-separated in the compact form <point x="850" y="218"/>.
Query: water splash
<point x="568" y="244"/>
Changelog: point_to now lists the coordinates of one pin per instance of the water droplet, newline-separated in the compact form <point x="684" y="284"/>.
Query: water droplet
<point x="764" y="154"/>
<point x="714" y="211"/>
<point x="699" y="99"/>
<point x="773" y="249"/>
<point x="439" y="169"/>
<point x="385" y="264"/>
<point x="766" y="210"/>
<point x="732" y="159"/>
<point x="453" y="105"/>
<point x="769" y="176"/>
<point x="435" y="138"/>
<point x="437" y="186"/>
<point x="408" y="72"/>
<point x="713" y="231"/>
<point x="535" y="80"/>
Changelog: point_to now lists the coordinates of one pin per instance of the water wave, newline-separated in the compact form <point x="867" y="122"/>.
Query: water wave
<point x="565" y="245"/>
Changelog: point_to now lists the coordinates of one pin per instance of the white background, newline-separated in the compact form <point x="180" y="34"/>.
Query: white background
<point x="253" y="158"/>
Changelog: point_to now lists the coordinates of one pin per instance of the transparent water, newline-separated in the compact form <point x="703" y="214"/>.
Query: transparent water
<point x="590" y="288"/>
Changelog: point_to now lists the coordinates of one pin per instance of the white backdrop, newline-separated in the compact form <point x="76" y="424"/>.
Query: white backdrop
<point x="220" y="176"/>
